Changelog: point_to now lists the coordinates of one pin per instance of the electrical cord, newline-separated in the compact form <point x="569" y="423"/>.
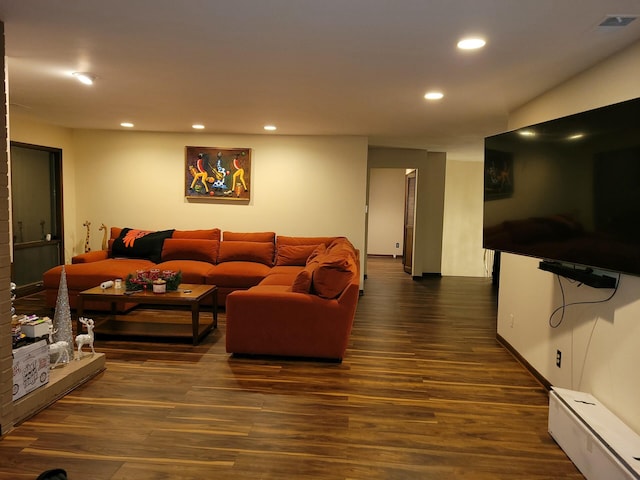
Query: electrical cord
<point x="562" y="308"/>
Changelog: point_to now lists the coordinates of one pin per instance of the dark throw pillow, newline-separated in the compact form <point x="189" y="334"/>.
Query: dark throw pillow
<point x="132" y="243"/>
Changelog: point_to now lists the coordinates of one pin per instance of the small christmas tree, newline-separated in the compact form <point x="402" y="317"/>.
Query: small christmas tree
<point x="62" y="316"/>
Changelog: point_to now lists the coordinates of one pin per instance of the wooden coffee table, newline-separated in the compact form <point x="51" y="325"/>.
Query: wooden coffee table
<point x="185" y="295"/>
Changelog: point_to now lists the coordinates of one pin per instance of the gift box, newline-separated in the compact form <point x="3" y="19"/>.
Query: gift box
<point x="30" y="368"/>
<point x="36" y="328"/>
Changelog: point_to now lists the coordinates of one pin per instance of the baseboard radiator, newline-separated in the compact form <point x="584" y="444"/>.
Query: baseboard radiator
<point x="596" y="441"/>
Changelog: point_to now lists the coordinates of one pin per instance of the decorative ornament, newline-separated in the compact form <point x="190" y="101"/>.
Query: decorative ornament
<point x="62" y="316"/>
<point x="144" y="279"/>
<point x="85" y="338"/>
<point x="105" y="242"/>
<point x="59" y="350"/>
<point x="87" y="246"/>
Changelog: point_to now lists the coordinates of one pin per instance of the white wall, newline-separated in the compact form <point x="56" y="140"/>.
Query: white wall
<point x="386" y="211"/>
<point x="599" y="342"/>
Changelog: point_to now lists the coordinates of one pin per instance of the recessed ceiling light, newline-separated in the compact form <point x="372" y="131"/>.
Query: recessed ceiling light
<point x="84" y="77"/>
<point x="575" y="136"/>
<point x="471" y="43"/>
<point x="434" y="95"/>
<point x="197" y="126"/>
<point x="126" y="124"/>
<point x="270" y="128"/>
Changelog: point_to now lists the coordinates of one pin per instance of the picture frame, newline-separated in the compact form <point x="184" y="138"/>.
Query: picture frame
<point x="498" y="175"/>
<point x="217" y="174"/>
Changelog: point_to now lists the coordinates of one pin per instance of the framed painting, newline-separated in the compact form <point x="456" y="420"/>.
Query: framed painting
<point x="498" y="175"/>
<point x="217" y="173"/>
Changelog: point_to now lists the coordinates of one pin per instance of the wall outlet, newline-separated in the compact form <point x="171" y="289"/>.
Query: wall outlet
<point x="558" y="358"/>
<point x="397" y="245"/>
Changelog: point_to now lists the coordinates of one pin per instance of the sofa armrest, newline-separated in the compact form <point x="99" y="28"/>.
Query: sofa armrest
<point x="268" y="320"/>
<point x="93" y="256"/>
<point x="266" y="305"/>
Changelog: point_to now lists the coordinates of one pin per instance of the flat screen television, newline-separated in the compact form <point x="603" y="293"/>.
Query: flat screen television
<point x="568" y="190"/>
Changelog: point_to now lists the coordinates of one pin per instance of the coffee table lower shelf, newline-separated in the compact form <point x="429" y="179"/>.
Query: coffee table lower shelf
<point x="189" y="295"/>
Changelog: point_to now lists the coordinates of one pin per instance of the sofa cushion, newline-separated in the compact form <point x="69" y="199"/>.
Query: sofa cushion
<point x="115" y="232"/>
<point x="193" y="271"/>
<point x="249" y="236"/>
<point x="132" y="243"/>
<point x="243" y="251"/>
<point x="190" y="249"/>
<point x="285" y="240"/>
<point x="332" y="275"/>
<point x="81" y="276"/>
<point x="317" y="252"/>
<point x="210" y="234"/>
<point x="302" y="282"/>
<point x="286" y="269"/>
<point x="294" y="254"/>
<point x="237" y="274"/>
<point x="342" y="245"/>
<point x="280" y="278"/>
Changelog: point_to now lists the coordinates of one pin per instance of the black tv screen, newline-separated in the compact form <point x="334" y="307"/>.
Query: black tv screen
<point x="568" y="190"/>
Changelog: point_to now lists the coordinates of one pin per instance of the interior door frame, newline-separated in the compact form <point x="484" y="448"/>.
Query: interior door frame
<point x="410" y="206"/>
<point x="55" y="156"/>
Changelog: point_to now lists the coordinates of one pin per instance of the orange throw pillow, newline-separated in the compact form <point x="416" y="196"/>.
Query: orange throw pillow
<point x="333" y="274"/>
<point x="294" y="254"/>
<point x="302" y="282"/>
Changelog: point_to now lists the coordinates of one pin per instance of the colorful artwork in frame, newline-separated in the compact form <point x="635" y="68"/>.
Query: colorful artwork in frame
<point x="218" y="173"/>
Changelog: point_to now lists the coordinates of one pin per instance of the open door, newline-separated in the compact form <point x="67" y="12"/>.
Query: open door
<point x="409" y="220"/>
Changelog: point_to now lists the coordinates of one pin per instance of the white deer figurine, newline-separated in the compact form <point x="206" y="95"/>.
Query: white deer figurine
<point x="85" y="338"/>
<point x="60" y="348"/>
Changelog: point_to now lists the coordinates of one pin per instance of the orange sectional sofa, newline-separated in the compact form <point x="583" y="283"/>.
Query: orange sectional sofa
<point x="298" y="311"/>
<point x="293" y="296"/>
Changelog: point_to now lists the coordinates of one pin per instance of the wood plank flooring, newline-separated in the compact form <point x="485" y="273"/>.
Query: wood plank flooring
<point x="424" y="392"/>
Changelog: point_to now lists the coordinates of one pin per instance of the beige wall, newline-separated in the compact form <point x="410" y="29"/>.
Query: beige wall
<point x="386" y="211"/>
<point x="599" y="342"/>
<point x="301" y="185"/>
<point x="35" y="133"/>
<point x="462" y="252"/>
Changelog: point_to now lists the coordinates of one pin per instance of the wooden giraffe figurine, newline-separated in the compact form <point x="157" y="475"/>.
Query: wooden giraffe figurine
<point x="87" y="247"/>
<point x="103" y="227"/>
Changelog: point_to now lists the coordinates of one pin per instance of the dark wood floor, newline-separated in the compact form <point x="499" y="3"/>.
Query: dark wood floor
<point x="425" y="392"/>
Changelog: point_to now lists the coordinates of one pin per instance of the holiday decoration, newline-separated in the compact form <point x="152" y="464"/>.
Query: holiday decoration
<point x="62" y="316"/>
<point x="145" y="279"/>
<point x="85" y="338"/>
<point x="59" y="350"/>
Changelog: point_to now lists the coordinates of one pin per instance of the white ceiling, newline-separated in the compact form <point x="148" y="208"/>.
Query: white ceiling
<point x="312" y="67"/>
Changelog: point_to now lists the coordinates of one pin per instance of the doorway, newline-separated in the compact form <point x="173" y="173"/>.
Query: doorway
<point x="36" y="206"/>
<point x="409" y="220"/>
